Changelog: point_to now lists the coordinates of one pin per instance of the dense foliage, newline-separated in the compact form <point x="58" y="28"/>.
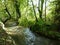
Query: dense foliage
<point x="37" y="15"/>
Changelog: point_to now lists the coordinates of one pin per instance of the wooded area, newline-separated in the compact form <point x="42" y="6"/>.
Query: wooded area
<point x="42" y="17"/>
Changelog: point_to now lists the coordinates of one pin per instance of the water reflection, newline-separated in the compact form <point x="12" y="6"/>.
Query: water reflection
<point x="26" y="37"/>
<point x="32" y="39"/>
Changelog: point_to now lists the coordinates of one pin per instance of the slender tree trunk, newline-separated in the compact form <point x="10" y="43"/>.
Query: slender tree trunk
<point x="40" y="10"/>
<point x="42" y="1"/>
<point x="8" y="18"/>
<point x="17" y="9"/>
<point x="45" y="10"/>
<point x="26" y="11"/>
<point x="17" y="5"/>
<point x="34" y="11"/>
<point x="6" y="9"/>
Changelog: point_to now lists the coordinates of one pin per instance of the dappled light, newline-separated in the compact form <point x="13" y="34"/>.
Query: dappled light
<point x="29" y="22"/>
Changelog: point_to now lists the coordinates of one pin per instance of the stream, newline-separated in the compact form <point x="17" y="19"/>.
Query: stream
<point x="24" y="36"/>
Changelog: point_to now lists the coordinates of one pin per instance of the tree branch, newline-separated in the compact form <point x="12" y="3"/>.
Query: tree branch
<point x="34" y="10"/>
<point x="8" y="15"/>
<point x="17" y="8"/>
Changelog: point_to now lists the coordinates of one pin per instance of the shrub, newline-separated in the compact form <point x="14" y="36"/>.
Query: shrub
<point x="23" y="21"/>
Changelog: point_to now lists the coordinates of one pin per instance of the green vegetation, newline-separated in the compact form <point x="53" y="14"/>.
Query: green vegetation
<point x="41" y="18"/>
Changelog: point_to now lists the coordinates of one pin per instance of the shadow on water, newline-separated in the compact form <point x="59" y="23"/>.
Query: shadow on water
<point x="27" y="37"/>
<point x="24" y="36"/>
<point x="39" y="40"/>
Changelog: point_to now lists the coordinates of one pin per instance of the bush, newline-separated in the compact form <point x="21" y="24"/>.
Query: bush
<point x="38" y="26"/>
<point x="23" y="21"/>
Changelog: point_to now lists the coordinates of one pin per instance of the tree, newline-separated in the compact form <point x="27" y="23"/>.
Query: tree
<point x="8" y="14"/>
<point x="17" y="6"/>
<point x="34" y="11"/>
<point x="45" y="10"/>
<point x="40" y="8"/>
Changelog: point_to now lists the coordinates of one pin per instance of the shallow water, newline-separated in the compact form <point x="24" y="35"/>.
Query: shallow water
<point x="33" y="39"/>
<point x="24" y="36"/>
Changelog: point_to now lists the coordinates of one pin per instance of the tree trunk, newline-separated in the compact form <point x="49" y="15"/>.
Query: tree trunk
<point x="17" y="10"/>
<point x="8" y="18"/>
<point x="45" y="10"/>
<point x="34" y="11"/>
